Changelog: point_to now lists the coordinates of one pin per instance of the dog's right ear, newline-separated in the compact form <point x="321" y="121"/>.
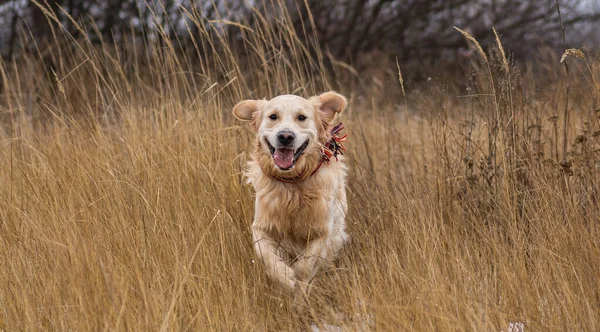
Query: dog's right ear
<point x="246" y="110"/>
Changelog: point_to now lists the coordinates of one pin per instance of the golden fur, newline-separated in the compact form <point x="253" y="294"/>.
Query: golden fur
<point x="297" y="226"/>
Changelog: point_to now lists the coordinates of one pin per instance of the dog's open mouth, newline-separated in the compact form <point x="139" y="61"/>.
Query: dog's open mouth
<point x="286" y="158"/>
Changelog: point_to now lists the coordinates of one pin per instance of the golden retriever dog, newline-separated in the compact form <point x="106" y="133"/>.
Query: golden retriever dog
<point x="299" y="177"/>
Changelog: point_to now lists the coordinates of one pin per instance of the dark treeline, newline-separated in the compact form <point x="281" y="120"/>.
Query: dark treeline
<point x="408" y="29"/>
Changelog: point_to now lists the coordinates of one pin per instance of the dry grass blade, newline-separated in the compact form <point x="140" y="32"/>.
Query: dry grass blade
<point x="228" y="22"/>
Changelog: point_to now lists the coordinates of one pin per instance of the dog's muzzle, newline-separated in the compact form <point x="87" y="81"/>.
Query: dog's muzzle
<point x="285" y="157"/>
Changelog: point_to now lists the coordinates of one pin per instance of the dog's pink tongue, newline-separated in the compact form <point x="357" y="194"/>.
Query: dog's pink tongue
<point x="283" y="157"/>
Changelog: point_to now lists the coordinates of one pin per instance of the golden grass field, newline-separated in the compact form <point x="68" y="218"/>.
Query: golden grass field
<point x="123" y="207"/>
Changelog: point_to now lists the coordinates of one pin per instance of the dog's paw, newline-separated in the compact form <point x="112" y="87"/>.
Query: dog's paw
<point x="286" y="277"/>
<point x="300" y="296"/>
<point x="303" y="269"/>
<point x="291" y="283"/>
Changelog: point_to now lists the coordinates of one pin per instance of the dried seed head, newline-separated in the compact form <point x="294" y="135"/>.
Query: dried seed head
<point x="572" y="52"/>
<point x="504" y="61"/>
<point x="400" y="79"/>
<point x="58" y="82"/>
<point x="474" y="41"/>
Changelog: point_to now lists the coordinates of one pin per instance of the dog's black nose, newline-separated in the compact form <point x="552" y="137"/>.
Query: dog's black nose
<point x="285" y="138"/>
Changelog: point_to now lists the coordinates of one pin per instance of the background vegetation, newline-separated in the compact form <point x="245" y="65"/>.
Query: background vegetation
<point x="473" y="197"/>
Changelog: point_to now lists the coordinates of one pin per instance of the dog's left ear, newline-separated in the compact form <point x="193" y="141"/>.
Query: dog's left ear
<point x="330" y="104"/>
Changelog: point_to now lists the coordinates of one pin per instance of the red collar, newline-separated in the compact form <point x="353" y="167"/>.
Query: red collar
<point x="332" y="148"/>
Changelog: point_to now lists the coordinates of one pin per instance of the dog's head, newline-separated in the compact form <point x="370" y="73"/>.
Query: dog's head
<point x="291" y="130"/>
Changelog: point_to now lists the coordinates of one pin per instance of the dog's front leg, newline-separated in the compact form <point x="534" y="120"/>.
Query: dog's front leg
<point x="306" y="265"/>
<point x="267" y="250"/>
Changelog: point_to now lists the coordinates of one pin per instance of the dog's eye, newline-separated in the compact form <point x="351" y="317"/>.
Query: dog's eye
<point x="301" y="118"/>
<point x="273" y="116"/>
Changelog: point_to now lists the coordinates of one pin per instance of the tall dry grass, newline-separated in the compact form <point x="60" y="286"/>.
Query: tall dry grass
<point x="122" y="204"/>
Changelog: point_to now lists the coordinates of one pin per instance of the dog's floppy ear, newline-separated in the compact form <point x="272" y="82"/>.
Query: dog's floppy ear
<point x="330" y="104"/>
<point x="245" y="110"/>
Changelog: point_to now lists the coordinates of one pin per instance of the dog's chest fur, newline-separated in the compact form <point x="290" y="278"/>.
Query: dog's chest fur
<point x="300" y="212"/>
